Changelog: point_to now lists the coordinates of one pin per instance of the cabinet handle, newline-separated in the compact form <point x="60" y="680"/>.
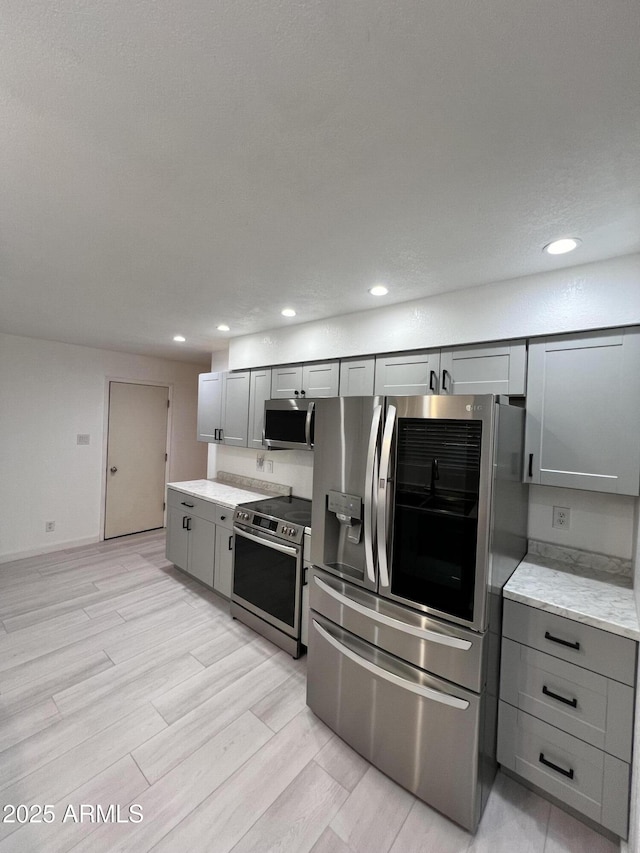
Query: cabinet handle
<point x="184" y="522"/>
<point x="303" y="393"/>
<point x="231" y="542"/>
<point x="297" y="393"/>
<point x="188" y="523"/>
<point x="567" y="773"/>
<point x="566" y="643"/>
<point x="572" y="702"/>
<point x="191" y="506"/>
<point x="445" y="373"/>
<point x="222" y="517"/>
<point x="433" y="381"/>
<point x="531" y="465"/>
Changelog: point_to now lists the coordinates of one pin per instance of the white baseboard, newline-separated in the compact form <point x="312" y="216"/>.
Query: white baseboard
<point x="59" y="546"/>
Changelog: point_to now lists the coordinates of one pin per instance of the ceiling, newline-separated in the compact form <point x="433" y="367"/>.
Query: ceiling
<point x="169" y="166"/>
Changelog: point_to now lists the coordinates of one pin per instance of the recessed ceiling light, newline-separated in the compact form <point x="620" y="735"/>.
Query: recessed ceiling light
<point x="560" y="247"/>
<point x="223" y="328"/>
<point x="378" y="290"/>
<point x="288" y="312"/>
<point x="179" y="338"/>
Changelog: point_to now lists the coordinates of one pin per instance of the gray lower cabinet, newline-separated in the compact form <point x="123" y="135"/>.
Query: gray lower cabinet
<point x="200" y="539"/>
<point x="259" y="392"/>
<point x="566" y="711"/>
<point x="583" y="408"/>
<point x="497" y="368"/>
<point x="223" y="408"/>
<point x="223" y="569"/>
<point x="191" y="543"/>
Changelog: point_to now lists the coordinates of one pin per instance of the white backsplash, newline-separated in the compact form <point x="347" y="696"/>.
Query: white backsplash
<point x="293" y="467"/>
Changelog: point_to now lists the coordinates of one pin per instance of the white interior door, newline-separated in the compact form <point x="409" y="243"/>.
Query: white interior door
<point x="136" y="464"/>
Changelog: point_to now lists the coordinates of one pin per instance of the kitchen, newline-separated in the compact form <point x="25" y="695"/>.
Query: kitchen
<point x="53" y="367"/>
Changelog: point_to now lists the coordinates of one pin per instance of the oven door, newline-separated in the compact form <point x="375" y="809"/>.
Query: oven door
<point x="267" y="579"/>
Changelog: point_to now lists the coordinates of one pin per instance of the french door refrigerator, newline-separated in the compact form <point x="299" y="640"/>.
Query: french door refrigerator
<point x="418" y="520"/>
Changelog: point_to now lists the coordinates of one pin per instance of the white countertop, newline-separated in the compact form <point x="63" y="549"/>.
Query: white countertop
<point x="221" y="492"/>
<point x="599" y="599"/>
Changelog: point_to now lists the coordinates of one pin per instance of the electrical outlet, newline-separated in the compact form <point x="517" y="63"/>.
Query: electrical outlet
<point x="49" y="526"/>
<point x="260" y="462"/>
<point x="561" y="517"/>
<point x="268" y="467"/>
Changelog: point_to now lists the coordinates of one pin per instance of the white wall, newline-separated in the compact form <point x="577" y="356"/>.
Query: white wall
<point x="592" y="296"/>
<point x="598" y="522"/>
<point x="50" y="392"/>
<point x="292" y="467"/>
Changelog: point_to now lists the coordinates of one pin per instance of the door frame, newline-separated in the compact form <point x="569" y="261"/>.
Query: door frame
<point x="105" y="441"/>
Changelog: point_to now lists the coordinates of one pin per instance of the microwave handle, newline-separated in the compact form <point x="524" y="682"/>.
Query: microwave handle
<point x="307" y="425"/>
<point x="383" y="496"/>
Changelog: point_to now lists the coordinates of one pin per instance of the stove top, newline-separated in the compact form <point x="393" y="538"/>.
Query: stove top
<point x="287" y="508"/>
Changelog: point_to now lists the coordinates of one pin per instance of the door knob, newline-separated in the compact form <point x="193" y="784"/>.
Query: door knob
<point x="113" y="469"/>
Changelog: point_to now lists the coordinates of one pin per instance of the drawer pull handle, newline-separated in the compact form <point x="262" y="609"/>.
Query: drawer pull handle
<point x="572" y="702"/>
<point x="567" y="773"/>
<point x="191" y="506"/>
<point x="566" y="643"/>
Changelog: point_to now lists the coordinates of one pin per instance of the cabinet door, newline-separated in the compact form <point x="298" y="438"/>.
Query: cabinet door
<point x="223" y="577"/>
<point x="356" y="377"/>
<point x="286" y="381"/>
<point x="236" y="408"/>
<point x="321" y="379"/>
<point x="583" y="410"/>
<point x="177" y="546"/>
<point x="259" y="391"/>
<point x="210" y="406"/>
<point x="410" y="373"/>
<point x="202" y="545"/>
<point x="484" y="369"/>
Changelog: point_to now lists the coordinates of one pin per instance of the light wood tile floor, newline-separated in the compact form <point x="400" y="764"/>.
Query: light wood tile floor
<point x="124" y="682"/>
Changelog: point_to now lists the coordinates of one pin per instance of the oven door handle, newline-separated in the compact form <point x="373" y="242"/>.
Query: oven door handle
<point x="398" y="680"/>
<point x="390" y="622"/>
<point x="268" y="543"/>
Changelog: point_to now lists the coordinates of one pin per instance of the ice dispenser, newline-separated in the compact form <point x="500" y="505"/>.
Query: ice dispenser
<point x="348" y="511"/>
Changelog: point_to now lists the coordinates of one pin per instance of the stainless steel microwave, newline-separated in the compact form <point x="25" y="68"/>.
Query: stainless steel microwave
<point x="288" y="424"/>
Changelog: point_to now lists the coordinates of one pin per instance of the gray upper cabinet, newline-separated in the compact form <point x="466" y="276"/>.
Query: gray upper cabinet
<point x="236" y="408"/>
<point x="357" y="376"/>
<point x="260" y="390"/>
<point x="318" y="379"/>
<point x="484" y="369"/>
<point x="409" y="373"/>
<point x="583" y="410"/>
<point x="210" y="398"/>
<point x="223" y="408"/>
<point x="286" y="381"/>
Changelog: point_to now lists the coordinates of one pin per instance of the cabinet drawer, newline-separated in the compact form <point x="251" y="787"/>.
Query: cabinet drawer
<point x="578" y="774"/>
<point x="224" y="516"/>
<point x="583" y="645"/>
<point x="589" y="706"/>
<point x="191" y="505"/>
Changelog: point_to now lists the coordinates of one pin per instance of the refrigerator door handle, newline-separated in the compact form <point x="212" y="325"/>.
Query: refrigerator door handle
<point x="370" y="483"/>
<point x="389" y="621"/>
<point x="398" y="680"/>
<point x="383" y="501"/>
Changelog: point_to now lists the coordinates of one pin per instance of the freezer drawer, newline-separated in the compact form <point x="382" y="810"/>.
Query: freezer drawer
<point x="421" y="731"/>
<point x="450" y="651"/>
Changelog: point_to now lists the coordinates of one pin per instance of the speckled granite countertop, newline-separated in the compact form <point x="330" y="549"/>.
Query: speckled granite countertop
<point x="603" y="599"/>
<point x="230" y="489"/>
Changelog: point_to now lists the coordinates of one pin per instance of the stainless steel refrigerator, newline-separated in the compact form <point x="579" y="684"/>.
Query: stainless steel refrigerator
<point x="419" y="518"/>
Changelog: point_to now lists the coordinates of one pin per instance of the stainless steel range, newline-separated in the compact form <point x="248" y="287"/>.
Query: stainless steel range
<point x="268" y="568"/>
